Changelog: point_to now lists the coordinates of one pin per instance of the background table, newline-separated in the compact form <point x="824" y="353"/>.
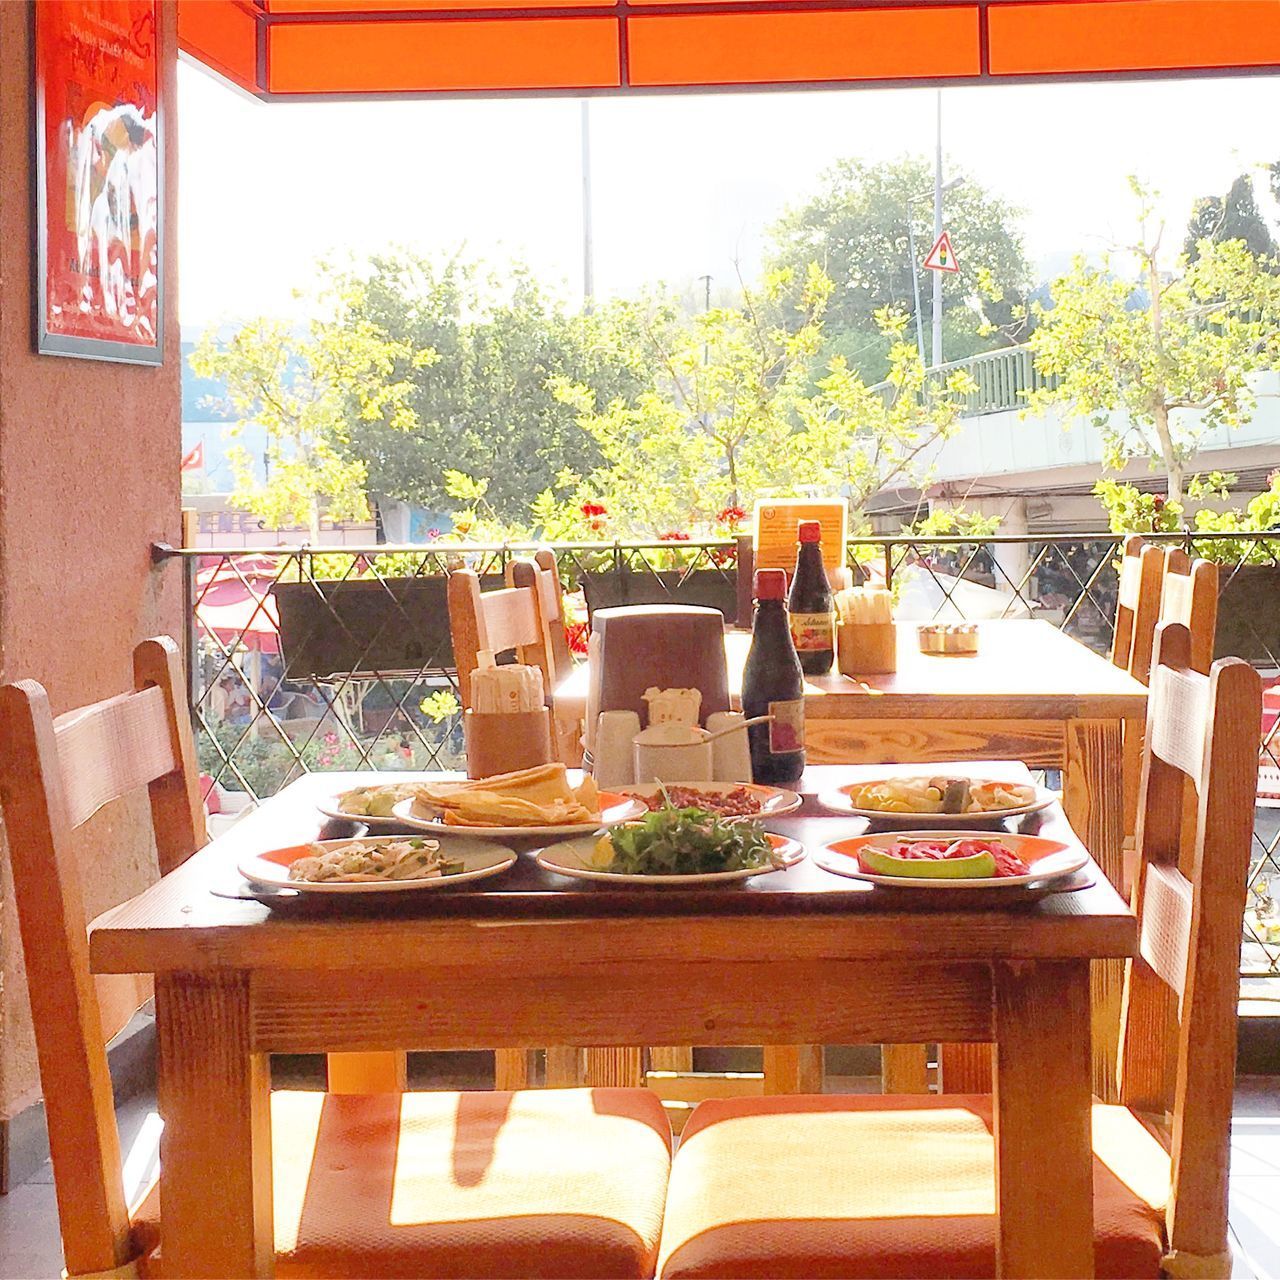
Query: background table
<point x="796" y="956"/>
<point x="1030" y="693"/>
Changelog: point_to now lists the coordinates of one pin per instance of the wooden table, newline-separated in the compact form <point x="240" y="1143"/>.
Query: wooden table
<point x="1031" y="693"/>
<point x="796" y="956"/>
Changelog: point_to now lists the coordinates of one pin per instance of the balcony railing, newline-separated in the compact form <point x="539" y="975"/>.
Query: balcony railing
<point x="311" y="658"/>
<point x="1004" y="378"/>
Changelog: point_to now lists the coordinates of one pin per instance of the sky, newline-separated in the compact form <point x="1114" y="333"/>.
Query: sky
<point x="682" y="186"/>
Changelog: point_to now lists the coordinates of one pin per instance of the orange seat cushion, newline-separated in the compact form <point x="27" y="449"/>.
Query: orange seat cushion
<point x="881" y="1186"/>
<point x="547" y="1182"/>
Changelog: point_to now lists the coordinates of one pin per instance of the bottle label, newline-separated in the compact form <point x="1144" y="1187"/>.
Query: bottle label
<point x="810" y="631"/>
<point x="786" y="729"/>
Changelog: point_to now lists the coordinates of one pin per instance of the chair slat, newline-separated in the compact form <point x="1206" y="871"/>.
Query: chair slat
<point x="1178" y="734"/>
<point x="1165" y="916"/>
<point x="1130" y="581"/>
<point x="508" y="619"/>
<point x="111" y="748"/>
<point x="1190" y="596"/>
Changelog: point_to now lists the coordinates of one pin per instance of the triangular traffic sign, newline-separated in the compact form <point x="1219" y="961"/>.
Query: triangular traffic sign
<point x="942" y="257"/>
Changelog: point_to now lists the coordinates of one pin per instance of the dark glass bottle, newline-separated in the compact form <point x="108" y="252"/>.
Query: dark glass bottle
<point x="813" y="619"/>
<point x="773" y="684"/>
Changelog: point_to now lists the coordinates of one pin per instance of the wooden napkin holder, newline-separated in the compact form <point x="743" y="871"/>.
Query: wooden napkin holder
<point x="866" y="648"/>
<point x="503" y="741"/>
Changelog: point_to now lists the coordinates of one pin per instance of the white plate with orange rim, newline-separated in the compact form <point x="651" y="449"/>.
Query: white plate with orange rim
<point x="1048" y="860"/>
<point x="331" y="806"/>
<point x="842" y="800"/>
<point x="480" y="858"/>
<point x="773" y="801"/>
<point x="614" y="808"/>
<point x="576" y="858"/>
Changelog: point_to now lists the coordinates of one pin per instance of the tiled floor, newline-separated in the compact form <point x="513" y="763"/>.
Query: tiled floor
<point x="29" y="1248"/>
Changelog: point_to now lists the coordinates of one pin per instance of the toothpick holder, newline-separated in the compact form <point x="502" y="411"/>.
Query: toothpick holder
<point x="501" y="742"/>
<point x="866" y="648"/>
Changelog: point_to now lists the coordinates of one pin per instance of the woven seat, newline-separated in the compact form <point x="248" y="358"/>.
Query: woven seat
<point x="565" y="1182"/>
<point x="881" y="1186"/>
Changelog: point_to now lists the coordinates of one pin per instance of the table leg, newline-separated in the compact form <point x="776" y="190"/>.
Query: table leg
<point x="904" y="1068"/>
<point x="564" y="1067"/>
<point x="368" y="1072"/>
<point x="214" y="1096"/>
<point x="671" y="1058"/>
<point x="617" y="1067"/>
<point x="965" y="1068"/>
<point x="510" y="1069"/>
<point x="1042" y="1106"/>
<point x="1094" y="801"/>
<point x="793" y="1068"/>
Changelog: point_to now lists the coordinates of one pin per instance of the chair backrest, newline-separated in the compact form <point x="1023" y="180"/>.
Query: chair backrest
<point x="1182" y="991"/>
<point x="543" y="574"/>
<point x="54" y="775"/>
<point x="1189" y="595"/>
<point x="1138" y="606"/>
<point x="495" y="622"/>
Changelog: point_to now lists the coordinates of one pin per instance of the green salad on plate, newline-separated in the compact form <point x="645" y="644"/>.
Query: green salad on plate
<point x="683" y="842"/>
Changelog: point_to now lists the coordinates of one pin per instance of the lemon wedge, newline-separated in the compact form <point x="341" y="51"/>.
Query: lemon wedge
<point x="602" y="854"/>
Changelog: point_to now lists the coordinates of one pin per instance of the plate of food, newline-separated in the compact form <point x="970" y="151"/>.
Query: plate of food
<point x="938" y="799"/>
<point x="673" y="846"/>
<point x="735" y="800"/>
<point x="377" y="864"/>
<point x="951" y="860"/>
<point x="529" y="802"/>
<point x="373" y="805"/>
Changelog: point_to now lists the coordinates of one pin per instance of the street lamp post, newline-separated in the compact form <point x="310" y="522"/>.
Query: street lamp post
<point x="915" y="281"/>
<point x="588" y="249"/>
<point x="937" y="232"/>
<point x="936" y="196"/>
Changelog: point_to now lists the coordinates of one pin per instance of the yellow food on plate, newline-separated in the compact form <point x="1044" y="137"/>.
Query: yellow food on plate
<point x="940" y="795"/>
<point x="538" y="797"/>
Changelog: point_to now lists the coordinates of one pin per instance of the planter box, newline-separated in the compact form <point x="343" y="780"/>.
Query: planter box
<point x="1249" y="614"/>
<point x="356" y="627"/>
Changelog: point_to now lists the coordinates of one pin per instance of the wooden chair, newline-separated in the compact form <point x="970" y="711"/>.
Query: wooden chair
<point x="560" y="1155"/>
<point x="912" y="1172"/>
<point x="542" y="575"/>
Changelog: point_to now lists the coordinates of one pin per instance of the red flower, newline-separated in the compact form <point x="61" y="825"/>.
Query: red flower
<point x="575" y="634"/>
<point x="722" y="556"/>
<point x="731" y="516"/>
<point x="592" y="510"/>
<point x="597" y="525"/>
<point x="673" y="536"/>
<point x="1158" y="501"/>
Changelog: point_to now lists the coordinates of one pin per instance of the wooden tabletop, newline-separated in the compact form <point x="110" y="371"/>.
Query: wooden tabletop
<point x="179" y="925"/>
<point x="1023" y="670"/>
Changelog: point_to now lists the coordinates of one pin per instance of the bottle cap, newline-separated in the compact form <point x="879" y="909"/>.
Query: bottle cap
<point x="810" y="531"/>
<point x="771" y="584"/>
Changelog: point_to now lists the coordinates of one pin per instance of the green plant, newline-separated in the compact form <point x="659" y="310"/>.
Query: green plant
<point x="1155" y="379"/>
<point x="307" y="389"/>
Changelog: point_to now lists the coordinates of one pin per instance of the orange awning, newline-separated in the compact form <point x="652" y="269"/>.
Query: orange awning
<point x="291" y="49"/>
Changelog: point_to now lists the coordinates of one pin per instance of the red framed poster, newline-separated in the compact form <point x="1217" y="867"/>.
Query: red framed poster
<point x="99" y="166"/>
